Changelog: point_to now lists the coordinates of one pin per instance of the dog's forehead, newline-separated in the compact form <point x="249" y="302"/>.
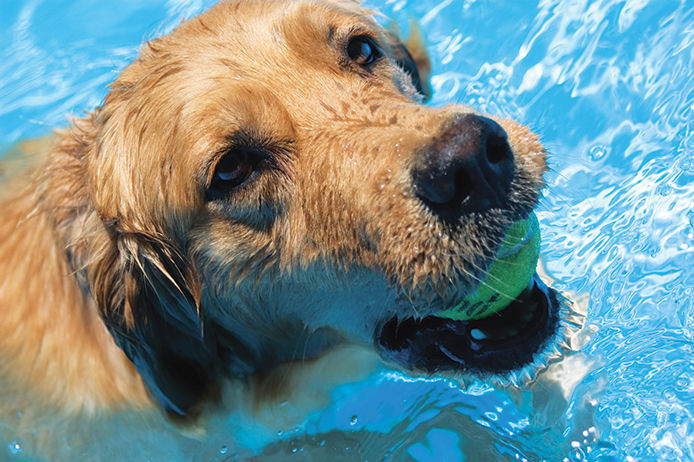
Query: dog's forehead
<point x="268" y="23"/>
<point x="265" y="41"/>
<point x="241" y="48"/>
<point x="247" y="62"/>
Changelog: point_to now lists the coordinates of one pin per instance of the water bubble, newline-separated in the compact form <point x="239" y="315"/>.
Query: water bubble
<point x="664" y="190"/>
<point x="687" y="164"/>
<point x="598" y="152"/>
<point x="15" y="447"/>
<point x="353" y="420"/>
<point x="223" y="450"/>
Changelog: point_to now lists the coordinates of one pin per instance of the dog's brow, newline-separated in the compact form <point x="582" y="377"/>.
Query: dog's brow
<point x="254" y="138"/>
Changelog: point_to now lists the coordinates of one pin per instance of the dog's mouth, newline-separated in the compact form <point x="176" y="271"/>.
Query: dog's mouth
<point x="504" y="341"/>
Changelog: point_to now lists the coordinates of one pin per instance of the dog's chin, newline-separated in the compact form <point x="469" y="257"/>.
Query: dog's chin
<point x="499" y="344"/>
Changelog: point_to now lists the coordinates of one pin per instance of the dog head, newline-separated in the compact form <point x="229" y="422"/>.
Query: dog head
<point x="265" y="181"/>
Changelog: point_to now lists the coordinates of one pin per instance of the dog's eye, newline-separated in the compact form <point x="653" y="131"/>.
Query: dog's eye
<point x="232" y="171"/>
<point x="362" y="50"/>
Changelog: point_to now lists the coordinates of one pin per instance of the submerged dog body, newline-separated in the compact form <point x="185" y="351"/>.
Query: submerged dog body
<point x="258" y="186"/>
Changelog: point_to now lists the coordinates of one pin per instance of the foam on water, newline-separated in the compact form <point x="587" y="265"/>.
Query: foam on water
<point x="608" y="84"/>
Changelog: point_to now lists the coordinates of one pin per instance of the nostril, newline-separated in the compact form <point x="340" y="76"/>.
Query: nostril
<point x="463" y="185"/>
<point x="497" y="149"/>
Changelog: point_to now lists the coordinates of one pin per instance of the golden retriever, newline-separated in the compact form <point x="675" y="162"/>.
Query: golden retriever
<point x="259" y="186"/>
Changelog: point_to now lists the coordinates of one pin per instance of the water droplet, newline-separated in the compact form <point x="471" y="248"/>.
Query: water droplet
<point x="15" y="447"/>
<point x="353" y="420"/>
<point x="477" y="334"/>
<point x="223" y="450"/>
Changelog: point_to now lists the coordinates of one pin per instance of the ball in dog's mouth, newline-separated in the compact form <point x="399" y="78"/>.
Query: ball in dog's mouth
<point x="503" y="326"/>
<point x="509" y="275"/>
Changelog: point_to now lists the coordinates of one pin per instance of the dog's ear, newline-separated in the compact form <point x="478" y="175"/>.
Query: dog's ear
<point x="149" y="297"/>
<point x="412" y="56"/>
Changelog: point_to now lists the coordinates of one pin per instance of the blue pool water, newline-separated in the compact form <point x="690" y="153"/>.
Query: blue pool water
<point x="609" y="85"/>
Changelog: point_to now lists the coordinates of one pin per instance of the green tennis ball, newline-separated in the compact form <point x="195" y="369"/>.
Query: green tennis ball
<point x="507" y="277"/>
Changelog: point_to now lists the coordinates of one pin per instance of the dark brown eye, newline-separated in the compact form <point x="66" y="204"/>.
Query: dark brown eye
<point x="232" y="170"/>
<point x="362" y="50"/>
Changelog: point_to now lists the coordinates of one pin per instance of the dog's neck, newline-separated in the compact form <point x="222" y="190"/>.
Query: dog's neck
<point x="52" y="340"/>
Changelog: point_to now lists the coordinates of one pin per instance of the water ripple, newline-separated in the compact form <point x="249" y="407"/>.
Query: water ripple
<point x="608" y="85"/>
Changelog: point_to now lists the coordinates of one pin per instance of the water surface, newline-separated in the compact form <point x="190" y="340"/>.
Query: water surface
<point x="609" y="86"/>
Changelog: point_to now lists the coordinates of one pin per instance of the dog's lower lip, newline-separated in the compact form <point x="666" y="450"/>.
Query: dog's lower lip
<point x="500" y="343"/>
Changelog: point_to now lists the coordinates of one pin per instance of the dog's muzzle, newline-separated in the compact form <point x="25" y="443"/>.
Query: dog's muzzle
<point x="502" y="342"/>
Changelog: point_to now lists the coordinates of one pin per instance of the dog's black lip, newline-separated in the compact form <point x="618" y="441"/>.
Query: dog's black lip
<point x="502" y="342"/>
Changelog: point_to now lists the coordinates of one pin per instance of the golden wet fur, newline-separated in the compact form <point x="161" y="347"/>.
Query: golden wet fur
<point x="111" y="233"/>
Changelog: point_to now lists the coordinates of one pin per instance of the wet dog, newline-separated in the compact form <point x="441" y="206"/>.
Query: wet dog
<point x="259" y="186"/>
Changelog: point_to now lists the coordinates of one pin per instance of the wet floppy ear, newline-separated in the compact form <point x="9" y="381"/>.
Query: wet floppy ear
<point x="412" y="56"/>
<point x="149" y="297"/>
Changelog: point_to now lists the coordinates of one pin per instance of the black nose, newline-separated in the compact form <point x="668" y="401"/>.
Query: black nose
<point x="468" y="168"/>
